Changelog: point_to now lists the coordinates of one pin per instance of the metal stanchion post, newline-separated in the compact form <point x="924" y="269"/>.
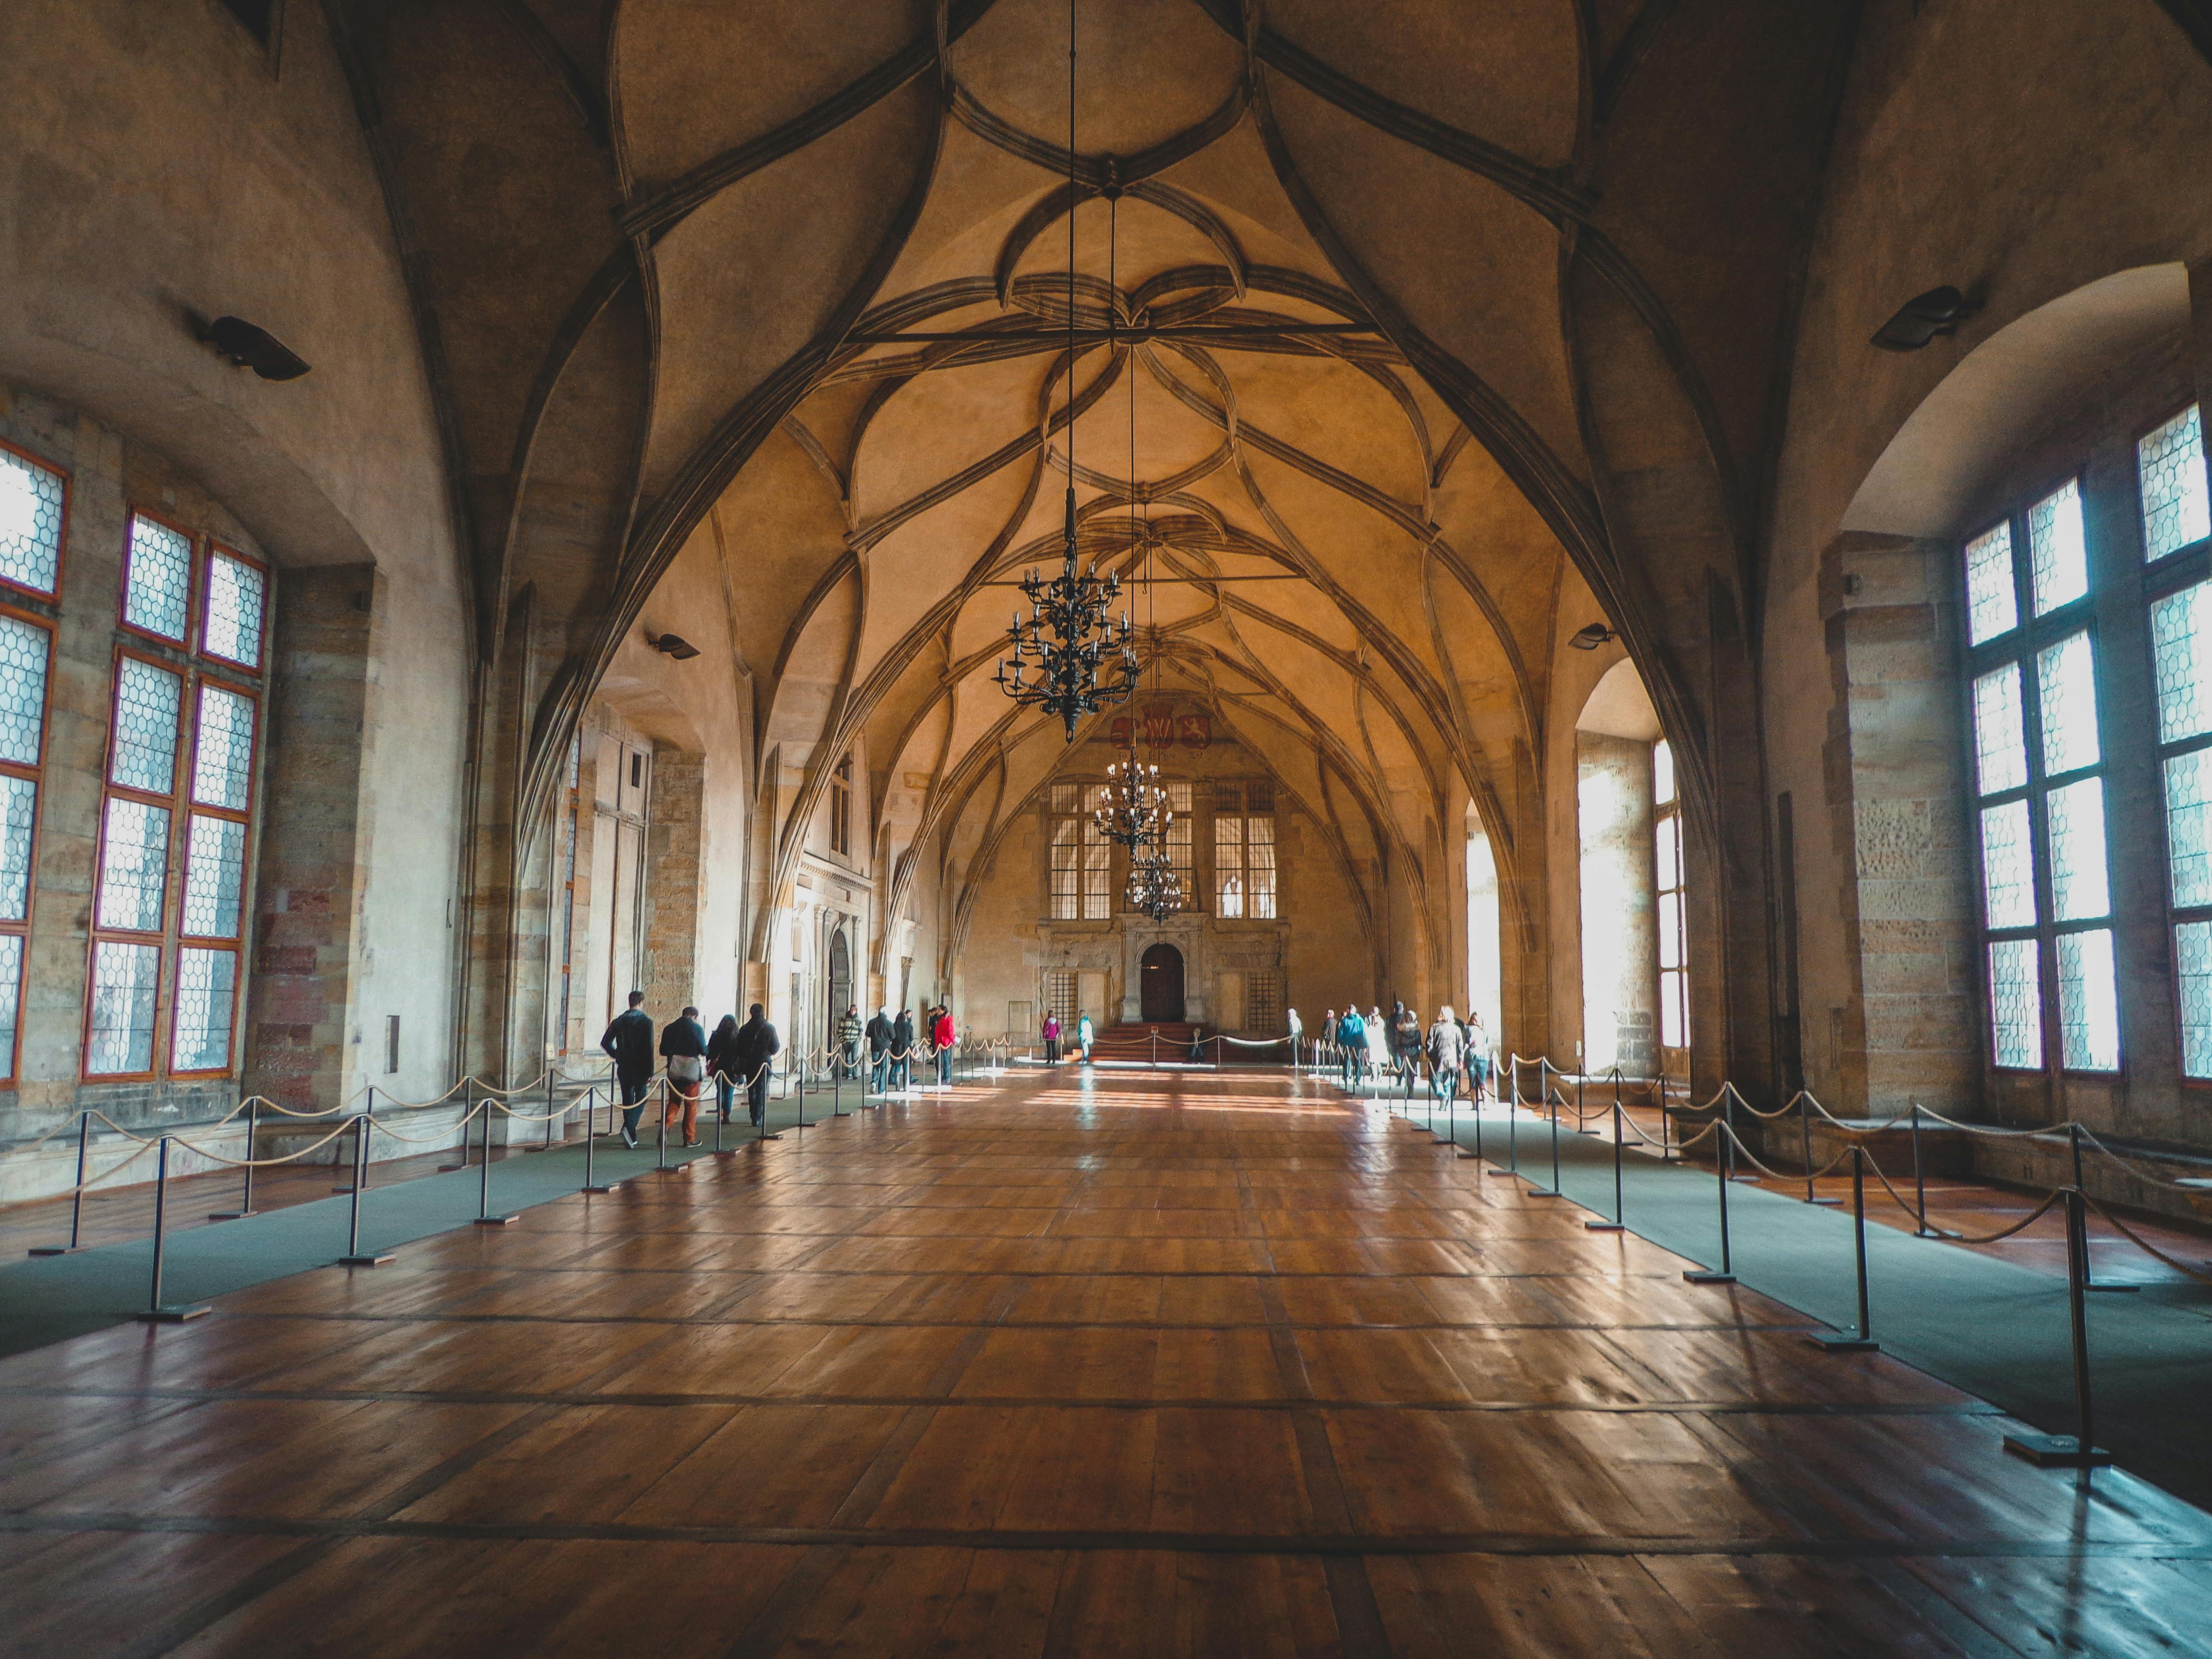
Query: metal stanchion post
<point x="661" y="1139"/>
<point x="468" y="1107"/>
<point x="1921" y="1229"/>
<point x="159" y="1312"/>
<point x="549" y="1108"/>
<point x="245" y="1193"/>
<point x="484" y="1218"/>
<point x="1805" y="1130"/>
<point x="76" y="1198"/>
<point x="1725" y="1274"/>
<point x="354" y="1255"/>
<point x="1513" y="1123"/>
<point x="1860" y="1338"/>
<point x="837" y="1088"/>
<point x="1618" y="1224"/>
<point x="2088" y="1279"/>
<point x="591" y="1183"/>
<point x="2078" y="1450"/>
<point x="764" y="1134"/>
<point x="1728" y="1104"/>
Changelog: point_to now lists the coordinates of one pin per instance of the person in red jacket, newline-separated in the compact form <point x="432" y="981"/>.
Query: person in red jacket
<point x="941" y="1034"/>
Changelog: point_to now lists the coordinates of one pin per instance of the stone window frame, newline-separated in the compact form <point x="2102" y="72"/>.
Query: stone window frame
<point x="45" y="595"/>
<point x="1669" y="811"/>
<point x="2163" y="577"/>
<point x="1241" y="816"/>
<point x="1087" y="839"/>
<point x="34" y="773"/>
<point x="840" y="807"/>
<point x="196" y="667"/>
<point x="2021" y="645"/>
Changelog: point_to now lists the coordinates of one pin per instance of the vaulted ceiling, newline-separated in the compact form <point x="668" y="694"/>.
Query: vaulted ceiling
<point x="1398" y="324"/>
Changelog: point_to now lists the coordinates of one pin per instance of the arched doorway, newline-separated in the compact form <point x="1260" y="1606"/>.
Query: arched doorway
<point x="840" y="982"/>
<point x="1161" y="983"/>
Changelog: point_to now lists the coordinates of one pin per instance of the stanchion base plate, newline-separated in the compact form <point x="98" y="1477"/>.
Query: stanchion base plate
<point x="232" y="1215"/>
<point x="1543" y="1192"/>
<point x="66" y="1249"/>
<point x="605" y="1186"/>
<point x="1604" y="1227"/>
<point x="1845" y="1342"/>
<point x="1474" y="1155"/>
<point x="758" y="1139"/>
<point x="1824" y="1202"/>
<point x="174" y="1313"/>
<point x="1700" y="1276"/>
<point x="1752" y="1180"/>
<point x="2113" y="1290"/>
<point x="362" y="1261"/>
<point x="2056" y="1451"/>
<point x="496" y="1220"/>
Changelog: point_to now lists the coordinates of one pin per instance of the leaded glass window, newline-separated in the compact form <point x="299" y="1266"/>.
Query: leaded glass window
<point x="31" y="500"/>
<point x="2000" y="736"/>
<point x="214" y="873"/>
<point x="222" y="749"/>
<point x="2089" y="1002"/>
<point x="2177" y="507"/>
<point x="1671" y="880"/>
<point x="11" y="998"/>
<point x="2081" y="889"/>
<point x="146" y="699"/>
<point x="2058" y="558"/>
<point x="2181" y="662"/>
<point x="157" y="581"/>
<point x="237" y="593"/>
<point x="1081" y="859"/>
<point x="2041" y="811"/>
<point x="2189" y="827"/>
<point x="23" y="647"/>
<point x="2008" y="866"/>
<point x="1992" y="607"/>
<point x="19" y="806"/>
<point x="207" y="983"/>
<point x="2066" y="687"/>
<point x="2016" y="1003"/>
<point x="2192" y="943"/>
<point x="134" y="866"/>
<point x="1244" y="851"/>
<point x="126" y="986"/>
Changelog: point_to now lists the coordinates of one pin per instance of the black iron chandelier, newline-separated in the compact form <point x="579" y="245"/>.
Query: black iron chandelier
<point x="1155" y="885"/>
<point x="1069" y="637"/>
<point x="1132" y="808"/>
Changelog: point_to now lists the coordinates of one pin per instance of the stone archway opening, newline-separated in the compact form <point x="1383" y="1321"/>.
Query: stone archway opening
<point x="1160" y="985"/>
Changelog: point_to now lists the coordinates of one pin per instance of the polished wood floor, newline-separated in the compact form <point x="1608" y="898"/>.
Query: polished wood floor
<point x="1136" y="1365"/>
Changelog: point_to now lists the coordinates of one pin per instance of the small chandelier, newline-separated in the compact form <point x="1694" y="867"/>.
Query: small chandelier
<point x="1155" y="887"/>
<point x="1132" y="808"/>
<point x="1065" y="638"/>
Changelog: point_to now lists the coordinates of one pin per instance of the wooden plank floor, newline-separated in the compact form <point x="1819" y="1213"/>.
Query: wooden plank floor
<point x="1143" y="1365"/>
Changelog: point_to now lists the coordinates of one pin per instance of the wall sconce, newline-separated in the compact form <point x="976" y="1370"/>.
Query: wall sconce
<point x="1922" y="318"/>
<point x="1589" y="639"/>
<point x="242" y="345"/>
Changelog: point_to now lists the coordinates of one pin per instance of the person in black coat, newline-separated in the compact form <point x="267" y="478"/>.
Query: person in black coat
<point x="879" y="1051"/>
<point x="684" y="1045"/>
<point x="756" y="1045"/>
<point x="902" y="1050"/>
<point x="722" y="1062"/>
<point x="629" y="1043"/>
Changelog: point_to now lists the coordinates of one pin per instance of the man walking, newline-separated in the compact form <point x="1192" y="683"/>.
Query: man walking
<point x="757" y="1044"/>
<point x="684" y="1045"/>
<point x="849" y="1040"/>
<point x="902" y="1042"/>
<point x="943" y="1036"/>
<point x="1446" y="1052"/>
<point x="1351" y="1033"/>
<point x="879" y="1051"/>
<point x="629" y="1043"/>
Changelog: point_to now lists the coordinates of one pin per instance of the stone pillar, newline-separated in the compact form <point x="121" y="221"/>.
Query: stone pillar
<point x="1898" y="819"/>
<point x="300" y="1041"/>
<point x="672" y="883"/>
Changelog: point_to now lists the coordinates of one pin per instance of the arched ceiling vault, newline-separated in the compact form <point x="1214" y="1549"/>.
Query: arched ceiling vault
<point x="1391" y="321"/>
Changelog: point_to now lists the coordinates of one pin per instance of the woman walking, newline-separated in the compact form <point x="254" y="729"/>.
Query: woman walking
<point x="722" y="1063"/>
<point x="1052" y="1039"/>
